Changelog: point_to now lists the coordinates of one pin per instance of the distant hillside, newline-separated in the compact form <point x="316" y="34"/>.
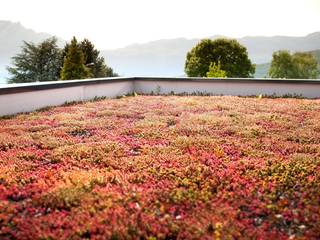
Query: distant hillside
<point x="12" y="36"/>
<point x="157" y="58"/>
<point x="263" y="69"/>
<point x="316" y="54"/>
<point x="261" y="48"/>
<point x="161" y="57"/>
<point x="167" y="57"/>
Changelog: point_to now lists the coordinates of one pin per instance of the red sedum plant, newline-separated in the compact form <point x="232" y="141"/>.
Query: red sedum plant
<point x="163" y="167"/>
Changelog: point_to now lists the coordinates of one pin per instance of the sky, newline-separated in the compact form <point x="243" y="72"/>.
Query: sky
<point x="116" y="23"/>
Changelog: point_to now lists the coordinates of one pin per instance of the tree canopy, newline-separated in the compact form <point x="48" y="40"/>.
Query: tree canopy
<point x="298" y="65"/>
<point x="47" y="62"/>
<point x="232" y="56"/>
<point x="215" y="71"/>
<point x="92" y="60"/>
<point x="36" y="62"/>
<point x="74" y="63"/>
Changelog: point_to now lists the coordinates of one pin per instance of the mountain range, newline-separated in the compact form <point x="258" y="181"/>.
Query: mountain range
<point x="164" y="57"/>
<point x="167" y="57"/>
<point x="12" y="36"/>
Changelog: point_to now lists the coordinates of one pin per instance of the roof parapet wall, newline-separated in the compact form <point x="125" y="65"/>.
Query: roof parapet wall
<point x="17" y="98"/>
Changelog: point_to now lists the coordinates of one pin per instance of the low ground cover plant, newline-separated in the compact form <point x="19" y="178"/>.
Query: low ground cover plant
<point x="163" y="167"/>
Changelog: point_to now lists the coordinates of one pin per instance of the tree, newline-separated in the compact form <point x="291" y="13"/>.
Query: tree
<point x="215" y="71"/>
<point x="297" y="65"/>
<point x="282" y="65"/>
<point x="306" y="65"/>
<point x="92" y="60"/>
<point x="36" y="62"/>
<point x="232" y="56"/>
<point x="110" y="73"/>
<point x="74" y="63"/>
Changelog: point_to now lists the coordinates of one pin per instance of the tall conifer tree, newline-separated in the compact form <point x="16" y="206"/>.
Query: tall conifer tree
<point x="92" y="60"/>
<point x="74" y="63"/>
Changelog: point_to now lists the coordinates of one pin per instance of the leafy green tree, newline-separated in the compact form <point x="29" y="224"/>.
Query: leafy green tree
<point x="215" y="71"/>
<point x="95" y="63"/>
<point x="282" y="65"/>
<point x="74" y="63"/>
<point x="36" y="62"/>
<point x="306" y="65"/>
<point x="297" y="65"/>
<point x="232" y="56"/>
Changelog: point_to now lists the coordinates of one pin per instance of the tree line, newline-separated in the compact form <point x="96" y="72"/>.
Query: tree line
<point x="298" y="65"/>
<point x="47" y="62"/>
<point x="218" y="58"/>
<point x="228" y="58"/>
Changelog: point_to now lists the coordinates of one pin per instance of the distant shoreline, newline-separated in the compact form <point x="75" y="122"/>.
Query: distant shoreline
<point x="3" y="81"/>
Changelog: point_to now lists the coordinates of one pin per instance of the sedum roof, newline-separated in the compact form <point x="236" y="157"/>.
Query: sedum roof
<point x="162" y="167"/>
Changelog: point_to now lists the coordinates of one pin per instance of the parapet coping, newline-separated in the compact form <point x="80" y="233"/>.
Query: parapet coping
<point x="36" y="86"/>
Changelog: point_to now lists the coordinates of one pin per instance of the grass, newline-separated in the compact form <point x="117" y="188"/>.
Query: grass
<point x="163" y="167"/>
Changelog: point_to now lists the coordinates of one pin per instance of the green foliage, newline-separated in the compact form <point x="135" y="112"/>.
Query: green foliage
<point x="306" y="65"/>
<point x="36" y="62"/>
<point x="298" y="65"/>
<point x="95" y="63"/>
<point x="74" y="63"/>
<point x="282" y="65"/>
<point x="232" y="56"/>
<point x="215" y="71"/>
<point x="316" y="54"/>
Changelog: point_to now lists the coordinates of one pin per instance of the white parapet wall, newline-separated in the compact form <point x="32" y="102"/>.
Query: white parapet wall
<point x="17" y="98"/>
<point x="29" y="97"/>
<point x="233" y="87"/>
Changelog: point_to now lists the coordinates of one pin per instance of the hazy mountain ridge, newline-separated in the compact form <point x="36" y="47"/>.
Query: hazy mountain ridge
<point x="260" y="49"/>
<point x="161" y="57"/>
<point x="12" y="36"/>
<point x="167" y="57"/>
<point x="164" y="57"/>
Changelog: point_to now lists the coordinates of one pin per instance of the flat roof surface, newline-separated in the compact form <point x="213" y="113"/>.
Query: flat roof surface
<point x="163" y="167"/>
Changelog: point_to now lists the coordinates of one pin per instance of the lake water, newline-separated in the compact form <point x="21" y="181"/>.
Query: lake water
<point x="3" y="77"/>
<point x="3" y="81"/>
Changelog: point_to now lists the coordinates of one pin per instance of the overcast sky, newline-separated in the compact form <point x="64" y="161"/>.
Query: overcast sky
<point x="116" y="23"/>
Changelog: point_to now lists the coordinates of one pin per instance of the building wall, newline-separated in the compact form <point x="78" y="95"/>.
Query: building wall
<point x="234" y="87"/>
<point x="32" y="96"/>
<point x="31" y="100"/>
